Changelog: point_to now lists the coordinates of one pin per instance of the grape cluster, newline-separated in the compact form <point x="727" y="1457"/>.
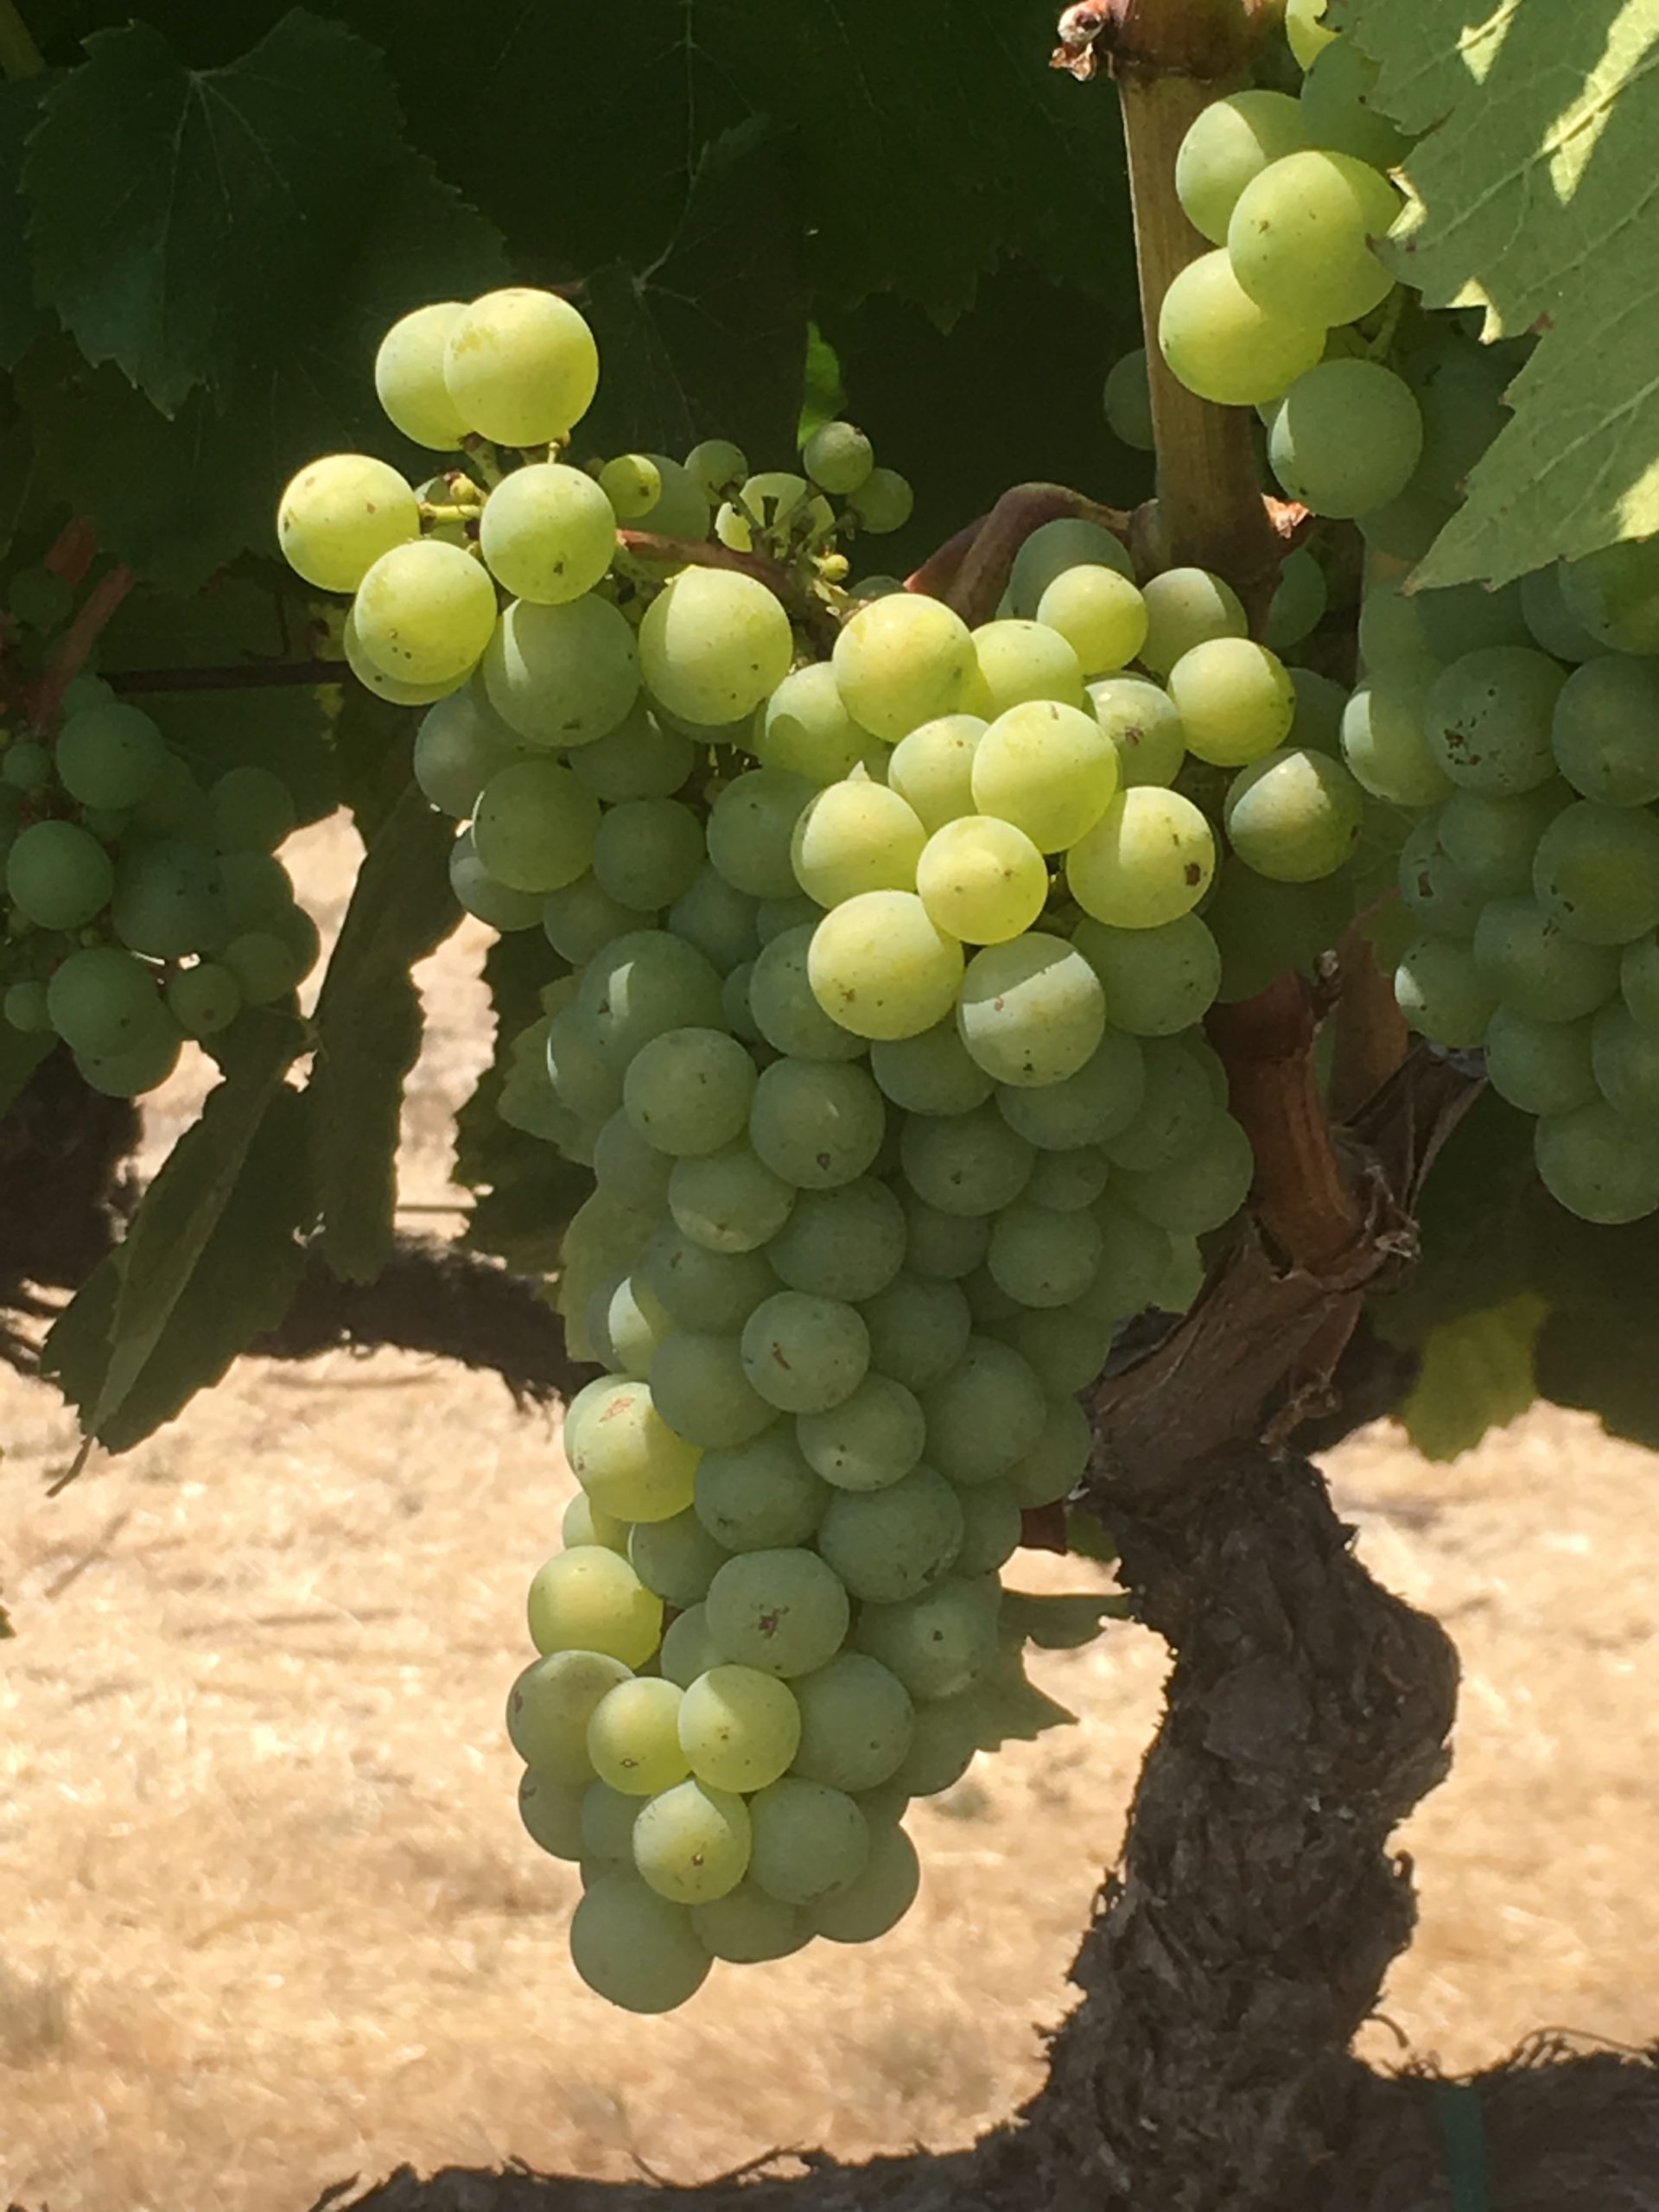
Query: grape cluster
<point x="142" y="907"/>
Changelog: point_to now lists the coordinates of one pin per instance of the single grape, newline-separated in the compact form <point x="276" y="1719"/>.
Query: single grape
<point x="57" y="876"/>
<point x="882" y="967"/>
<point x="1624" y="1060"/>
<point x="1200" y="1191"/>
<point x="252" y="810"/>
<point x="941" y="1247"/>
<point x="901" y="661"/>
<point x="339" y="514"/>
<point x="1600" y="1164"/>
<point x="101" y="1001"/>
<point x="520" y="366"/>
<point x="1042" y="1258"/>
<point x="1127" y="401"/>
<point x="703" y="1288"/>
<point x="854" y="837"/>
<point x="871" y="1438"/>
<point x="1231" y="141"/>
<point x="1300" y="603"/>
<point x="1225" y="345"/>
<point x="551" y="1812"/>
<point x="1100" y="613"/>
<point x="856" y="1722"/>
<point x="482" y="894"/>
<point x="1605" y="731"/>
<point x="633" y="1738"/>
<point x="1488" y="716"/>
<point x="982" y="1416"/>
<point x="1533" y="965"/>
<point x="109" y="755"/>
<point x="1492" y="837"/>
<point x="878" y="1898"/>
<point x="838" y="457"/>
<point x="1234" y="698"/>
<point x="803" y="728"/>
<point x="748" y="1926"/>
<point x="136" y="1069"/>
<point x="1442" y="897"/>
<point x="970" y="1163"/>
<point x="847" y="1243"/>
<point x="1295" y="816"/>
<point x="1595" y="872"/>
<point x="25" y="1008"/>
<point x="1185" y="1088"/>
<point x="1144" y="727"/>
<point x="1187" y="607"/>
<point x="25" y="766"/>
<point x="1300" y="240"/>
<point x="702" y="1391"/>
<point x="1067" y="1181"/>
<point x="1149" y="860"/>
<point x="810" y="1841"/>
<point x="939" y="1642"/>
<point x="409" y="377"/>
<point x="1444" y="991"/>
<point x="1021" y="659"/>
<point x="1049" y="769"/>
<point x="630" y="483"/>
<point x="718" y="467"/>
<point x="590" y="1600"/>
<point x="536" y="828"/>
<point x="1051" y="1469"/>
<point x="728" y="1200"/>
<point x="738" y="1728"/>
<point x="676" y="1557"/>
<point x="624" y="1455"/>
<point x="782" y="1612"/>
<point x="1550" y="624"/>
<point x="1384" y="734"/>
<point x="1614" y="595"/>
<point x="642" y="985"/>
<point x="1157" y="981"/>
<point x="607" y="1819"/>
<point x="942" y="1749"/>
<point x="1346" y="438"/>
<point x="626" y="1321"/>
<point x="805" y="1354"/>
<point x="562" y="675"/>
<point x="882" y="502"/>
<point x="932" y="1073"/>
<point x="1103" y="1099"/>
<point x="1542" y="1067"/>
<point x="1032" y="1012"/>
<point x="1308" y="35"/>
<point x="714" y="644"/>
<point x="750" y="827"/>
<point x="691" y="1843"/>
<point x="548" y="533"/>
<point x="424" y="613"/>
<point x="761" y="1496"/>
<point x="688" y="1649"/>
<point x="721" y="922"/>
<point x="689" y="1091"/>
<point x="982" y="880"/>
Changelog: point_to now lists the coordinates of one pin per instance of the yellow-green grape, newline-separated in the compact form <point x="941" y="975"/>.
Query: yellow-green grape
<point x="783" y="1611"/>
<point x="631" y="482"/>
<point x="805" y="727"/>
<point x="718" y="468"/>
<point x="1187" y="607"/>
<point x="803" y="1354"/>
<point x="392" y="689"/>
<point x="521" y="366"/>
<point x="688" y="1648"/>
<point x="982" y="880"/>
<point x="548" y="533"/>
<point x="535" y="826"/>
<point x="1100" y="613"/>
<point x="892" y="1543"/>
<point x="1383" y="734"/>
<point x="584" y="1523"/>
<point x="339" y="514"/>
<point x="713" y="645"/>
<point x="1041" y="1257"/>
<point x="633" y="1739"/>
<point x="838" y="457"/>
<point x="691" y="1843"/>
<point x="883" y="502"/>
<point x="1020" y="661"/>
<point x="1032" y="1011"/>
<point x="1230" y="142"/>
<point x="1295" y="816"/>
<point x="853" y="837"/>
<point x="635" y="1948"/>
<point x="551" y="1812"/>
<point x="1235" y="701"/>
<point x="1307" y="32"/>
<point x="901" y="661"/>
<point x="549" y="1706"/>
<point x="1299" y="244"/>
<point x="626" y="1458"/>
<point x="562" y="675"/>
<point x="1049" y="769"/>
<point x="878" y="1898"/>
<point x="1224" y="345"/>
<point x="943" y="1641"/>
<point x="747" y="1927"/>
<point x="1141" y="720"/>
<point x="679" y="508"/>
<point x="738" y="1728"/>
<point x="932" y="768"/>
<point x="818" y="1123"/>
<point x="856" y="1721"/>
<point x="929" y="1074"/>
<point x="1443" y="992"/>
<point x="424" y="613"/>
<point x="1149" y="860"/>
<point x="762" y="1495"/>
<point x="881" y="966"/>
<point x="409" y="377"/>
<point x="809" y="1841"/>
<point x="872" y="1438"/>
<point x="1598" y="1163"/>
<point x="591" y="1600"/>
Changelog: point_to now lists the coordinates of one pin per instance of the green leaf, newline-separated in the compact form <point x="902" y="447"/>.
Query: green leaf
<point x="19" y="1057"/>
<point x="1539" y="198"/>
<point x="368" y="1025"/>
<point x="373" y="745"/>
<point x="244" y="1275"/>
<point x="20" y="311"/>
<point x="1476" y="1374"/>
<point x="1061" y="1622"/>
<point x="181" y="218"/>
<point x="825" y="394"/>
<point x="1008" y="1705"/>
<point x="1600" y="1356"/>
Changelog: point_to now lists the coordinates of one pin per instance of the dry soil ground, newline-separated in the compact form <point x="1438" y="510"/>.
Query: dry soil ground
<point x="267" y="1919"/>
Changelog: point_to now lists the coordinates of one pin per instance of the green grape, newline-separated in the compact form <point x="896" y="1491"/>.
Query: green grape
<point x="728" y="1200"/>
<point x="688" y="1648"/>
<point x="676" y="1557"/>
<point x="803" y="1354"/>
<point x="635" y="1948"/>
<point x="1595" y="872"/>
<point x="1226" y="346"/>
<point x="713" y="645"/>
<point x="750" y="826"/>
<point x="932" y="768"/>
<point x="581" y="918"/>
<point x="1614" y="595"/>
<point x="1234" y="698"/>
<point x="930" y="1073"/>
<point x="623" y="1453"/>
<point x="582" y="1079"/>
<point x="856" y="1721"/>
<point x="551" y="1812"/>
<point x="1052" y="1467"/>
<point x="424" y="613"/>
<point x="1099" y="1102"/>
<point x="536" y="828"/>
<point x="57" y="876"/>
<point x="817" y="1123"/>
<point x="640" y="758"/>
<point x="633" y="1738"/>
<point x="409" y="377"/>
<point x="520" y="366"/>
<point x="982" y="880"/>
<point x="785" y="1012"/>
<point x="971" y="1163"/>
<point x="256" y="887"/>
<point x="1200" y="1191"/>
<point x="689" y="1091"/>
<point x="1232" y="141"/>
<point x="1605" y="732"/>
<point x="1470" y="618"/>
<point x="1145" y="729"/>
<point x="1625" y="1058"/>
<point x="942" y="1749"/>
<point x="1533" y="965"/>
<point x="1295" y="816"/>
<point x="1346" y="438"/>
<point x="562" y="675"/>
<point x="1264" y="929"/>
<point x="252" y="810"/>
<point x="1149" y="860"/>
<point x="24" y="1009"/>
<point x="1638" y="976"/>
<point x="339" y="514"/>
<point x="1047" y="768"/>
<point x="1180" y="1099"/>
<point x="175" y="806"/>
<point x="1299" y="605"/>
<point x="549" y="1706"/>
<point x="1032" y="1011"/>
<point x="1337" y="111"/>
<point x="1065" y="1348"/>
<point x="845" y="1243"/>
<point x="748" y="1926"/>
<point x="940" y="1246"/>
<point x="856" y="838"/>
<point x="804" y="729"/>
<point x="991" y="1526"/>
<point x="1019" y="660"/>
<point x="1391" y="626"/>
<point x="647" y="852"/>
<point x="1128" y="402"/>
<point x="1600" y="1164"/>
<point x="810" y="1841"/>
<point x="919" y="1330"/>
<point x="939" y="1642"/>
<point x="548" y="533"/>
<point x="761" y="1496"/>
<point x="1442" y="897"/>
<point x="627" y="1322"/>
<point x="838" y="457"/>
<point x="1489" y="717"/>
<point x="24" y="766"/>
<point x="1407" y="527"/>
<point x="882" y="502"/>
<point x="1384" y="735"/>
<point x="1157" y="981"/>
<point x="607" y="1819"/>
<point x="1491" y="838"/>
<point x="701" y="1288"/>
<point x="988" y="1303"/>
<point x="738" y="1728"/>
<point x="630" y="484"/>
<point x="1307" y="35"/>
<point x="703" y="1391"/>
<point x="1135" y="1259"/>
<point x="870" y="1439"/>
<point x="1320" y="704"/>
<point x="1549" y="623"/>
<point x="641" y="986"/>
<point x="718" y="920"/>
<point x="881" y="968"/>
<point x="788" y="512"/>
<point x="101" y="1001"/>
<point x="109" y="755"/>
<point x="1069" y="541"/>
<point x="982" y="1416"/>
<point x="139" y="1068"/>
<point x="784" y="1611"/>
<point x="901" y="661"/>
<point x="1039" y="1258"/>
<point x="692" y="1843"/>
<point x="396" y="690"/>
<point x="1444" y="991"/>
<point x="1300" y="241"/>
<point x="678" y="507"/>
<point x="590" y="1600"/>
<point x="879" y="1897"/>
<point x="204" y="998"/>
<point x="1067" y="1181"/>
<point x="1187" y="607"/>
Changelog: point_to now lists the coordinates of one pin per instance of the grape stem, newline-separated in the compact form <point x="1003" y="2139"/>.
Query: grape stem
<point x="19" y="55"/>
<point x="73" y="551"/>
<point x="971" y="572"/>
<point x="45" y="697"/>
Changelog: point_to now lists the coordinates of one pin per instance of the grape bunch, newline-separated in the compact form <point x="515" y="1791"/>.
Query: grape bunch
<point x="142" y="907"/>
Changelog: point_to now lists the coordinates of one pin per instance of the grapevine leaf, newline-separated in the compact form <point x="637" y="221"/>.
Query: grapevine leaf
<point x="1539" y="199"/>
<point x="19" y="1057"/>
<point x="1061" y="1622"/>
<point x="182" y="218"/>
<point x="20" y="311"/>
<point x="1601" y="1356"/>
<point x="373" y="744"/>
<point x="1476" y="1374"/>
<point x="244" y="1273"/>
<point x="368" y="1030"/>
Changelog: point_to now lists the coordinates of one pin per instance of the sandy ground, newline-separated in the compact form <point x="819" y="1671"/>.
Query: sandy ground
<point x="267" y="1921"/>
